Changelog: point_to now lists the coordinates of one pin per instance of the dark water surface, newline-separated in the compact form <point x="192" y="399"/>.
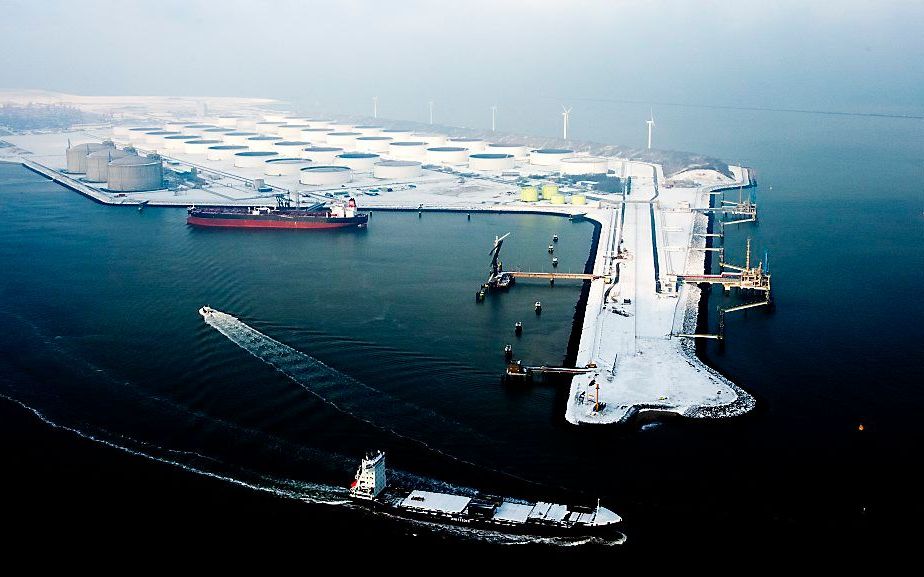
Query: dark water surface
<point x="101" y="335"/>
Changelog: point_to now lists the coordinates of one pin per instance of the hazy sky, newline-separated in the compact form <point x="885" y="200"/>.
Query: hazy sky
<point x="843" y="55"/>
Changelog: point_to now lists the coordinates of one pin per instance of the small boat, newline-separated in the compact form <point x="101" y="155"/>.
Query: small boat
<point x="518" y="328"/>
<point x="554" y="238"/>
<point x="555" y="261"/>
<point x="538" y="307"/>
<point x="551" y="249"/>
<point x="508" y="351"/>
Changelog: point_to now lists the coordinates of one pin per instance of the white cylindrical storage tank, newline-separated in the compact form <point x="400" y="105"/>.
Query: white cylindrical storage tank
<point x="215" y="132"/>
<point x="196" y="127"/>
<point x="175" y="125"/>
<point x="396" y="133"/>
<point x="292" y="131"/>
<point x="275" y="117"/>
<point x="246" y="124"/>
<point x="290" y="120"/>
<point x="135" y="174"/>
<point x="519" y="151"/>
<point x="490" y="161"/>
<point x="284" y="166"/>
<point x="472" y="144"/>
<point x="199" y="146"/>
<point x="575" y="165"/>
<point x="357" y="161"/>
<point x="340" y="127"/>
<point x="224" y="151"/>
<point x="98" y="163"/>
<point x="618" y="166"/>
<point x="550" y="157"/>
<point x="368" y="129"/>
<point x="319" y="123"/>
<point x="263" y="143"/>
<point x="321" y="154"/>
<point x="138" y="134"/>
<point x="325" y="175"/>
<point x="315" y="135"/>
<point x="408" y="150"/>
<point x="237" y="137"/>
<point x="227" y="121"/>
<point x="253" y="158"/>
<point x="121" y="131"/>
<point x="373" y="143"/>
<point x="342" y="139"/>
<point x="449" y="155"/>
<point x="290" y="148"/>
<point x="432" y="140"/>
<point x="177" y="142"/>
<point x="269" y="128"/>
<point x="77" y="156"/>
<point x="156" y="139"/>
<point x="396" y="169"/>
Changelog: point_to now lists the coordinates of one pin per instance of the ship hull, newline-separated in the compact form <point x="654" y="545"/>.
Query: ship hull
<point x="321" y="223"/>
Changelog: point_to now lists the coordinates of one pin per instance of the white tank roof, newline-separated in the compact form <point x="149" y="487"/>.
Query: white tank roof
<point x="325" y="175"/>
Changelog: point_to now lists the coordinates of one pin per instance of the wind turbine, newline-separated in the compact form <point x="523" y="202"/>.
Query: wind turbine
<point x="564" y="114"/>
<point x="493" y="115"/>
<point x="650" y="123"/>
<point x="431" y="111"/>
<point x="375" y="107"/>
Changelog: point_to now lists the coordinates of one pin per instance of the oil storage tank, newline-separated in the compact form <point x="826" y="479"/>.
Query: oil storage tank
<point x="472" y="144"/>
<point x="135" y="174"/>
<point x="263" y="143"/>
<point x="315" y="135"/>
<point x="373" y="143"/>
<point x="237" y="137"/>
<point x="342" y="139"/>
<point x="368" y="129"/>
<point x="177" y="142"/>
<point x="490" y="161"/>
<point x="137" y="134"/>
<point x="227" y="121"/>
<point x="156" y="138"/>
<point x="98" y="163"/>
<point x="253" y="158"/>
<point x="396" y="133"/>
<point x="77" y="156"/>
<point x="270" y="128"/>
<point x="284" y="166"/>
<point x="325" y="175"/>
<point x="575" y="165"/>
<point x="448" y="155"/>
<point x="199" y="146"/>
<point x="519" y="151"/>
<point x="321" y="154"/>
<point x="290" y="148"/>
<point x="432" y="140"/>
<point x="396" y="169"/>
<point x="292" y="131"/>
<point x="224" y="151"/>
<point x="408" y="150"/>
<point x="358" y="161"/>
<point x="550" y="157"/>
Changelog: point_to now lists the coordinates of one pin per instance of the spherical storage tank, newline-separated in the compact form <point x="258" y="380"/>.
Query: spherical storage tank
<point x="135" y="174"/>
<point x="237" y="137"/>
<point x="98" y="163"/>
<point x="519" y="151"/>
<point x="472" y="144"/>
<point x="253" y="158"/>
<point x="321" y="154"/>
<point x="408" y="150"/>
<point x="549" y="156"/>
<point x="199" y="146"/>
<point x="325" y="175"/>
<point x="394" y="169"/>
<point x="224" y="151"/>
<point x="344" y="139"/>
<point x="178" y="142"/>
<point x="450" y="155"/>
<point x="529" y="194"/>
<point x="490" y="161"/>
<point x="584" y="165"/>
<point x="358" y="161"/>
<point x="373" y="143"/>
<point x="284" y="166"/>
<point x="77" y="156"/>
<point x="263" y="143"/>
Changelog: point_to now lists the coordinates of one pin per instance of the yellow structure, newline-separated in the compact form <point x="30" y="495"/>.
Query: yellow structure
<point x="557" y="199"/>
<point x="529" y="194"/>
<point x="549" y="190"/>
<point x="578" y="199"/>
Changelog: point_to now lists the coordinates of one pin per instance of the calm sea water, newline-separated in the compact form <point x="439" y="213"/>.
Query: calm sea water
<point x="102" y="335"/>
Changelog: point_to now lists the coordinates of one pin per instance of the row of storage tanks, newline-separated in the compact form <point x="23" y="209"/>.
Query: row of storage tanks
<point x="120" y="170"/>
<point x="551" y="193"/>
<point x="278" y="143"/>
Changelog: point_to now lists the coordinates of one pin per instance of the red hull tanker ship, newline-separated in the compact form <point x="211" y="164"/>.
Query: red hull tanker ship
<point x="337" y="216"/>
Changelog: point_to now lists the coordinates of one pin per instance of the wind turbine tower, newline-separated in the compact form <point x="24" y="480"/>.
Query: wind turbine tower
<point x="375" y="107"/>
<point x="650" y="123"/>
<point x="431" y="111"/>
<point x="493" y="116"/>
<point x="564" y="115"/>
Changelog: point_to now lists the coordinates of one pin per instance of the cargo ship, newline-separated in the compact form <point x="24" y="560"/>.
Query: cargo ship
<point x="339" y="215"/>
<point x="482" y="511"/>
